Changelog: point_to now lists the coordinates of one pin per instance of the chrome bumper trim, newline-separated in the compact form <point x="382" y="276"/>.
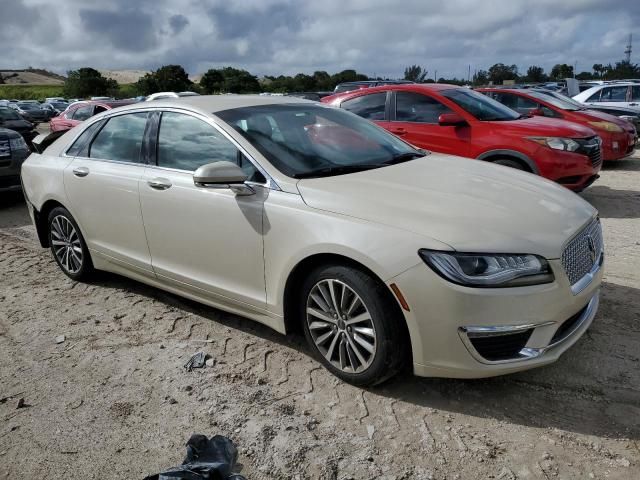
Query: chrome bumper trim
<point x="527" y="353"/>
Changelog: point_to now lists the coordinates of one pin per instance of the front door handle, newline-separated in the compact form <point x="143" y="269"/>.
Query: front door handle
<point x="81" y="171"/>
<point x="634" y="104"/>
<point x="159" y="183"/>
<point x="399" y="131"/>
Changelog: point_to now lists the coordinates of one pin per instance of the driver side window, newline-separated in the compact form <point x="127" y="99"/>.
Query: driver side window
<point x="415" y="107"/>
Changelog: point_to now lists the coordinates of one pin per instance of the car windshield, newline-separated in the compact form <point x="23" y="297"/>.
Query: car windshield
<point x="59" y="105"/>
<point x="304" y="141"/>
<point x="9" y="114"/>
<point x="28" y="106"/>
<point x="557" y="100"/>
<point x="480" y="106"/>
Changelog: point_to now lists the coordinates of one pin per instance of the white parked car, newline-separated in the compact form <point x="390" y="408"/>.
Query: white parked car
<point x="165" y="95"/>
<point x="618" y="94"/>
<point x="302" y="216"/>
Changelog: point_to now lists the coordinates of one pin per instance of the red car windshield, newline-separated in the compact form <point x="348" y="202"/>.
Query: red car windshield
<point x="480" y="106"/>
<point x="557" y="100"/>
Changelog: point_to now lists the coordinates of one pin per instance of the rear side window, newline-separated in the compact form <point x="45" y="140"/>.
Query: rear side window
<point x="120" y="139"/>
<point x="82" y="113"/>
<point x="370" y="107"/>
<point x="415" y="107"/>
<point x="635" y="93"/>
<point x="187" y="143"/>
<point x="614" y="94"/>
<point x="80" y="147"/>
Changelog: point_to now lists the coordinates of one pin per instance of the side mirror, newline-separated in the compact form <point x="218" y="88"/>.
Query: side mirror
<point x="222" y="175"/>
<point x="536" y="112"/>
<point x="451" y="120"/>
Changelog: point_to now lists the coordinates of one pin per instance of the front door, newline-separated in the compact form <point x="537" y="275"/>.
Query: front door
<point x="102" y="185"/>
<point x="207" y="239"/>
<point x="416" y="121"/>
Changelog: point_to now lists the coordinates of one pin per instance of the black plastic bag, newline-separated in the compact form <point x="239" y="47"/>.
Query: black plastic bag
<point x="207" y="459"/>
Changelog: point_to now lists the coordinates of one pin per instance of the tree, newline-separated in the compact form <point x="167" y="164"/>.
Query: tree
<point x="500" y="72"/>
<point x="229" y="80"/>
<point x="584" y="76"/>
<point x="622" y="70"/>
<point x="562" y="71"/>
<point x="599" y="69"/>
<point x="347" y="76"/>
<point x="415" y="73"/>
<point x="481" y="77"/>
<point x="87" y="82"/>
<point x="168" y="78"/>
<point x="536" y="74"/>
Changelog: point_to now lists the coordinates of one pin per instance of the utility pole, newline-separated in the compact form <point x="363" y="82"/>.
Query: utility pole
<point x="435" y="76"/>
<point x="627" y="51"/>
<point x="469" y="74"/>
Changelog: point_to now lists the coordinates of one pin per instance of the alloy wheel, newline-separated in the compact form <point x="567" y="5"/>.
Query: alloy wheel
<point x="66" y="244"/>
<point x="341" y="326"/>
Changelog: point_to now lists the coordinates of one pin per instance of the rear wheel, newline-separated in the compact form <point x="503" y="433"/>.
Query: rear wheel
<point x="509" y="162"/>
<point x="68" y="246"/>
<point x="352" y="325"/>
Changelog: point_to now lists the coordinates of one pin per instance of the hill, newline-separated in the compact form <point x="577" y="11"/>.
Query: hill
<point x="31" y="76"/>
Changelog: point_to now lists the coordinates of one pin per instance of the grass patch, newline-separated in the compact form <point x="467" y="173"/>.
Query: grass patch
<point x="40" y="92"/>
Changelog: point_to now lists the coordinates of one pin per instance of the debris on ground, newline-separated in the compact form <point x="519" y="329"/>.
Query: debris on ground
<point x="213" y="458"/>
<point x="60" y="339"/>
<point x="196" y="361"/>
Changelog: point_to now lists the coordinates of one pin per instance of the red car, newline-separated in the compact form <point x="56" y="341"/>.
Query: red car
<point x="79" y="112"/>
<point x="460" y="121"/>
<point x="618" y="136"/>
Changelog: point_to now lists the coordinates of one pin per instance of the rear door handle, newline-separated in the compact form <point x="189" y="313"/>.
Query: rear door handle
<point x="159" y="183"/>
<point x="398" y="131"/>
<point x="81" y="171"/>
<point x="634" y="104"/>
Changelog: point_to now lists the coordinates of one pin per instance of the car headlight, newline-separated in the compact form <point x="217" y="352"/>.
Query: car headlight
<point x="608" y="126"/>
<point x="557" y="143"/>
<point x="491" y="270"/>
<point x="18" y="144"/>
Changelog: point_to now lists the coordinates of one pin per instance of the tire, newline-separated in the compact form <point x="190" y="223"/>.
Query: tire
<point x="342" y="347"/>
<point x="508" y="162"/>
<point x="68" y="246"/>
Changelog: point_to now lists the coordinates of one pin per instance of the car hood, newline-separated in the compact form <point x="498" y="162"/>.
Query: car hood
<point x="596" y="116"/>
<point x="470" y="205"/>
<point x="19" y="125"/>
<point x="544" y="126"/>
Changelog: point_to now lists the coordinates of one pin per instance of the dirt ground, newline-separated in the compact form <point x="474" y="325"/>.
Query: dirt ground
<point x="113" y="401"/>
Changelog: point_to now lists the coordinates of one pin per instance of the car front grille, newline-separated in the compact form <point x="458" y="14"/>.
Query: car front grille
<point x="592" y="148"/>
<point x="583" y="252"/>
<point x="5" y="149"/>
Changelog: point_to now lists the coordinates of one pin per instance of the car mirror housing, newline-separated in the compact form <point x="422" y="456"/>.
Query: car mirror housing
<point x="222" y="175"/>
<point x="451" y="120"/>
<point x="537" y="112"/>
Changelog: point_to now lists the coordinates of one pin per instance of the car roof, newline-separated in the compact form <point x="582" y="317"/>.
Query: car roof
<point x="218" y="103"/>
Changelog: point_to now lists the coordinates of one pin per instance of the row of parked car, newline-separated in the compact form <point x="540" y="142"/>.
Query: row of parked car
<point x="536" y="130"/>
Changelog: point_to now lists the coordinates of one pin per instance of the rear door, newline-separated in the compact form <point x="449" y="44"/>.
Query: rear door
<point x="614" y="95"/>
<point x="102" y="185"/>
<point x="373" y="106"/>
<point x="415" y="119"/>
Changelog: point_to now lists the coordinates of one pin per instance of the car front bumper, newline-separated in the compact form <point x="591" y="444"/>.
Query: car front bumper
<point x="463" y="332"/>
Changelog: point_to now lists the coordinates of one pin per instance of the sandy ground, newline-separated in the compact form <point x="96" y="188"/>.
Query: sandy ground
<point x="113" y="401"/>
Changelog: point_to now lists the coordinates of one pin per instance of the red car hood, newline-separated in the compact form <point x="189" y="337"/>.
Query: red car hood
<point x="544" y="126"/>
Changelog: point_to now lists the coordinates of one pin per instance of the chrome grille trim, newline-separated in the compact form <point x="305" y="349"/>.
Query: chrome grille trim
<point x="583" y="256"/>
<point x="5" y="149"/>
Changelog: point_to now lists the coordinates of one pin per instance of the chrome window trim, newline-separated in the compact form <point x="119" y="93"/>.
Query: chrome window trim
<point x="527" y="353"/>
<point x="270" y="182"/>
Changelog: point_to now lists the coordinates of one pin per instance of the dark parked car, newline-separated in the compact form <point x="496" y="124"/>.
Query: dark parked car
<point x="13" y="151"/>
<point x="629" y="114"/>
<point x="32" y="112"/>
<point x="348" y="86"/>
<point x="9" y="118"/>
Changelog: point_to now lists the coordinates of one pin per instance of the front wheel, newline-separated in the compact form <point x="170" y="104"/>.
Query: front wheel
<point x="68" y="246"/>
<point x="507" y="162"/>
<point x="352" y="325"/>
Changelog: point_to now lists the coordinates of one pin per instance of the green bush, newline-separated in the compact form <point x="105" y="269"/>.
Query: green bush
<point x="30" y="92"/>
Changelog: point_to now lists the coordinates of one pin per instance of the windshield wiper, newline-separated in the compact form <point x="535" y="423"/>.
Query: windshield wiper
<point x="404" y="157"/>
<point x="338" y="170"/>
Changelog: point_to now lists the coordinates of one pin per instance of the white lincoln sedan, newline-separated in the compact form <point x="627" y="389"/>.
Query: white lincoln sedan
<point x="305" y="217"/>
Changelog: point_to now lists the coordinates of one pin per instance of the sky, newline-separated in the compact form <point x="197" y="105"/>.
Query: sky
<point x="271" y="37"/>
